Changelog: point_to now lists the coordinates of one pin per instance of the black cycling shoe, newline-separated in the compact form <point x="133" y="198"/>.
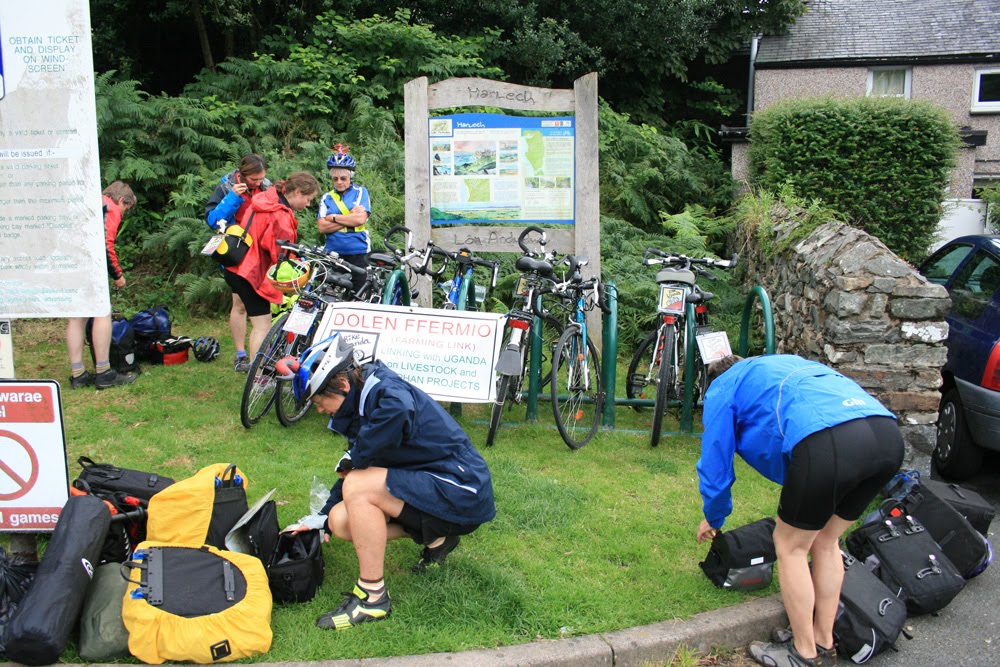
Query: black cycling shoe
<point x="112" y="378"/>
<point x="355" y="610"/>
<point x="782" y="635"/>
<point x="431" y="557"/>
<point x="85" y="380"/>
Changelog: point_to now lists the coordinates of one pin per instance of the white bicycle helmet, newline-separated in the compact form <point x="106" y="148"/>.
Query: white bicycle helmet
<point x="321" y="362"/>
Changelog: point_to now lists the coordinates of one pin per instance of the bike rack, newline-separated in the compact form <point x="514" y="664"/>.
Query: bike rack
<point x="609" y="357"/>
<point x="397" y="276"/>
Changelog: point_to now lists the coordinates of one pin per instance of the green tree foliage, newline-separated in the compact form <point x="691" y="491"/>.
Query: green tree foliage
<point x="991" y="195"/>
<point x="883" y="163"/>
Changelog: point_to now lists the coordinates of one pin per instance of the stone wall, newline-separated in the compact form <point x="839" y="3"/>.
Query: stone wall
<point x="841" y="297"/>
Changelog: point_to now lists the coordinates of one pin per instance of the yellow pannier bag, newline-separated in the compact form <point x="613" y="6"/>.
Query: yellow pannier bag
<point x="195" y="604"/>
<point x="201" y="509"/>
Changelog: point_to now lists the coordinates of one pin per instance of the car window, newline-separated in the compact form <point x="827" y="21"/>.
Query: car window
<point x="939" y="268"/>
<point x="974" y="285"/>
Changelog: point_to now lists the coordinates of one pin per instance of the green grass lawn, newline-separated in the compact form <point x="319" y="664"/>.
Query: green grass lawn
<point x="588" y="541"/>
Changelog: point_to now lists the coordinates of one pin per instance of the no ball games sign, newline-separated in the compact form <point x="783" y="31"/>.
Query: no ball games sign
<point x="34" y="481"/>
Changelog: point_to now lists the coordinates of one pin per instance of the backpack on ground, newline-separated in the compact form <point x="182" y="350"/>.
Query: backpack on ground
<point x="195" y="604"/>
<point x="105" y="478"/>
<point x="972" y="505"/>
<point x="103" y="636"/>
<point x="150" y="326"/>
<point x="201" y="509"/>
<point x="123" y="352"/>
<point x="909" y="561"/>
<point x="742" y="559"/>
<point x="869" y="617"/>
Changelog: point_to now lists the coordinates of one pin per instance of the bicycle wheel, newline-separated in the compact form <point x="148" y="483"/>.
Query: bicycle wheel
<point x="289" y="409"/>
<point x="666" y="378"/>
<point x="577" y="393"/>
<point x="503" y="388"/>
<point x="643" y="370"/>
<point x="259" y="390"/>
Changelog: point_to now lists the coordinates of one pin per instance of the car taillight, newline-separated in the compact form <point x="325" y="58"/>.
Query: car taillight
<point x="991" y="374"/>
<point x="523" y="325"/>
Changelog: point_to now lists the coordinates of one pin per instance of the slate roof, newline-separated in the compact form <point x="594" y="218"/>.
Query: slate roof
<point x="886" y="30"/>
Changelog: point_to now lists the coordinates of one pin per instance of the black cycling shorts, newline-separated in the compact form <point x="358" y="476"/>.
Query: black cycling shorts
<point x="424" y="528"/>
<point x="255" y="304"/>
<point x="839" y="470"/>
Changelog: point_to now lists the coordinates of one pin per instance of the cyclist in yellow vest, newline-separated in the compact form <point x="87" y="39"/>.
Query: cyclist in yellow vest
<point x="343" y="213"/>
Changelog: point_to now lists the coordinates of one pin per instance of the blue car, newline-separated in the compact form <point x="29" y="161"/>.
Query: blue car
<point x="969" y="414"/>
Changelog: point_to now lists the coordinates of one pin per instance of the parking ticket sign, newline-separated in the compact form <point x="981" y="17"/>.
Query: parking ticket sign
<point x="34" y="480"/>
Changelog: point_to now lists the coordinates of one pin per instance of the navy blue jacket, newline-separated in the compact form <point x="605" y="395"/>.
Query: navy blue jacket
<point x="432" y="464"/>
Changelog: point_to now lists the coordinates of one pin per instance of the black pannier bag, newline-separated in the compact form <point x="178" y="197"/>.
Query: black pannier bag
<point x="122" y="354"/>
<point x="742" y="559"/>
<point x="296" y="569"/>
<point x="869" y="617"/>
<point x="976" y="509"/>
<point x="104" y="478"/>
<point x="38" y="631"/>
<point x="909" y="562"/>
<point x="150" y="326"/>
<point x="969" y="551"/>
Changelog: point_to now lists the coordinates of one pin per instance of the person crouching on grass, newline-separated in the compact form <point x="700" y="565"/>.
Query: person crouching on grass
<point x="409" y="470"/>
<point x="830" y="445"/>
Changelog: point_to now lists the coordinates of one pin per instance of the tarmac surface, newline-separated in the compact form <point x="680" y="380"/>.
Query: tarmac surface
<point x="964" y="634"/>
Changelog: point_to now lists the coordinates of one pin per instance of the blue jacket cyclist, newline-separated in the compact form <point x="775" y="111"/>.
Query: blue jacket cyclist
<point x="832" y="447"/>
<point x="409" y="470"/>
<point x="344" y="212"/>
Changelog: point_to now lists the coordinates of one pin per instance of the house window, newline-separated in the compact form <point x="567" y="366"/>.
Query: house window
<point x="889" y="82"/>
<point x="986" y="91"/>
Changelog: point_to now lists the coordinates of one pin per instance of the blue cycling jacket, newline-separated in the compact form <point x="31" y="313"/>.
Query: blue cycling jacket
<point x="432" y="464"/>
<point x="350" y="241"/>
<point x="760" y="409"/>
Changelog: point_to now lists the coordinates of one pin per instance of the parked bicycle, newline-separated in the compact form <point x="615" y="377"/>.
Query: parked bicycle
<point x="319" y="278"/>
<point x="387" y="281"/>
<point x="514" y="362"/>
<point x="460" y="291"/>
<point x="576" y="385"/>
<point x="661" y="363"/>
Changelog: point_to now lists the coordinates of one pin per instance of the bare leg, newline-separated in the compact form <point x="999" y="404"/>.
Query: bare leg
<point x="238" y="323"/>
<point x="341" y="529"/>
<point x="259" y="326"/>
<point x="827" y="577"/>
<point x="101" y="335"/>
<point x="369" y="505"/>
<point x="75" y="336"/>
<point x="792" y="546"/>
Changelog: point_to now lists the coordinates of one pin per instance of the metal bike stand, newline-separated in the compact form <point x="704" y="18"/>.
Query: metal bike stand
<point x="397" y="276"/>
<point x="609" y="356"/>
<point x="758" y="293"/>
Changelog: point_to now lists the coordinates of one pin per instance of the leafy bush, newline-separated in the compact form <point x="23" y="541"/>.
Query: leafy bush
<point x="884" y="163"/>
<point x="991" y="196"/>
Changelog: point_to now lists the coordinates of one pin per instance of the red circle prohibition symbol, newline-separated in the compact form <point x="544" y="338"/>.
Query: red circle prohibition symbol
<point x="24" y="485"/>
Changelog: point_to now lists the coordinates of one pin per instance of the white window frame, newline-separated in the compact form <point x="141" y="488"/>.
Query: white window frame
<point x="983" y="107"/>
<point x="907" y="83"/>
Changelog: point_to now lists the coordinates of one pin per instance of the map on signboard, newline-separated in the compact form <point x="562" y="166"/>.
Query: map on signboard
<point x="493" y="168"/>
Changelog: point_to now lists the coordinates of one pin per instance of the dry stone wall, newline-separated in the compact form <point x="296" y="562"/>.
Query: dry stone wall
<point x="841" y="297"/>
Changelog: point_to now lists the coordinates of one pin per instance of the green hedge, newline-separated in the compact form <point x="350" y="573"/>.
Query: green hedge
<point x="883" y="163"/>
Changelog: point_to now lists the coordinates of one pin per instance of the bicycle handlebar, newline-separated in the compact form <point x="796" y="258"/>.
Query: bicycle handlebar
<point x="653" y="257"/>
<point x="406" y="239"/>
<point x="542" y="241"/>
<point x="320" y="254"/>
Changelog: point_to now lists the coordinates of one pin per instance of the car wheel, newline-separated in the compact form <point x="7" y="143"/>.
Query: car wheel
<point x="956" y="455"/>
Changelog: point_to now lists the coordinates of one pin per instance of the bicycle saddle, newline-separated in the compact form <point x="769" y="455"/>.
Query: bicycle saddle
<point x="529" y="265"/>
<point x="383" y="260"/>
<point x="675" y="276"/>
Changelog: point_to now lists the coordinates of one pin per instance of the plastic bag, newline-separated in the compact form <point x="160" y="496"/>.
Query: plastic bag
<point x="318" y="493"/>
<point x="16" y="574"/>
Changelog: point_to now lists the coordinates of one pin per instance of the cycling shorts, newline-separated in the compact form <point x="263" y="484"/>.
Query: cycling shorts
<point x="255" y="304"/>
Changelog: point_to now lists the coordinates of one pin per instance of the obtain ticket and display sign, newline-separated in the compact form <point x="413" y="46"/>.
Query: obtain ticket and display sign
<point x="34" y="481"/>
<point x="450" y="354"/>
<point x="494" y="168"/>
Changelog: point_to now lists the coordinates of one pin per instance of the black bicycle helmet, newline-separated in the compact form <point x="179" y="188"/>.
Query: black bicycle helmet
<point x="206" y="349"/>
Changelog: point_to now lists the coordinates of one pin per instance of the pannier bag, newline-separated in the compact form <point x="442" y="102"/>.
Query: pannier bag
<point x="968" y="550"/>
<point x="201" y="509"/>
<point x="909" y="562"/>
<point x="742" y="559"/>
<point x="296" y="569"/>
<point x="16" y="573"/>
<point x="38" y="631"/>
<point x="195" y="604"/>
<point x="104" y="478"/>
<point x="170" y="351"/>
<point x="122" y="352"/>
<point x="150" y="326"/>
<point x="869" y="617"/>
<point x="976" y="509"/>
<point x="103" y="635"/>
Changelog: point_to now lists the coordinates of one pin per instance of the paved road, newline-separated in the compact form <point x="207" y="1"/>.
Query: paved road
<point x="966" y="633"/>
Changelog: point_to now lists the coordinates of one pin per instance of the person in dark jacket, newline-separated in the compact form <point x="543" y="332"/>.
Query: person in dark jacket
<point x="832" y="447"/>
<point x="226" y="206"/>
<point x="409" y="470"/>
<point x="269" y="218"/>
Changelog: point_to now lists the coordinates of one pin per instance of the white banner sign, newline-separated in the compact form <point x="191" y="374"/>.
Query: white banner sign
<point x="450" y="354"/>
<point x="52" y="256"/>
<point x="34" y="482"/>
